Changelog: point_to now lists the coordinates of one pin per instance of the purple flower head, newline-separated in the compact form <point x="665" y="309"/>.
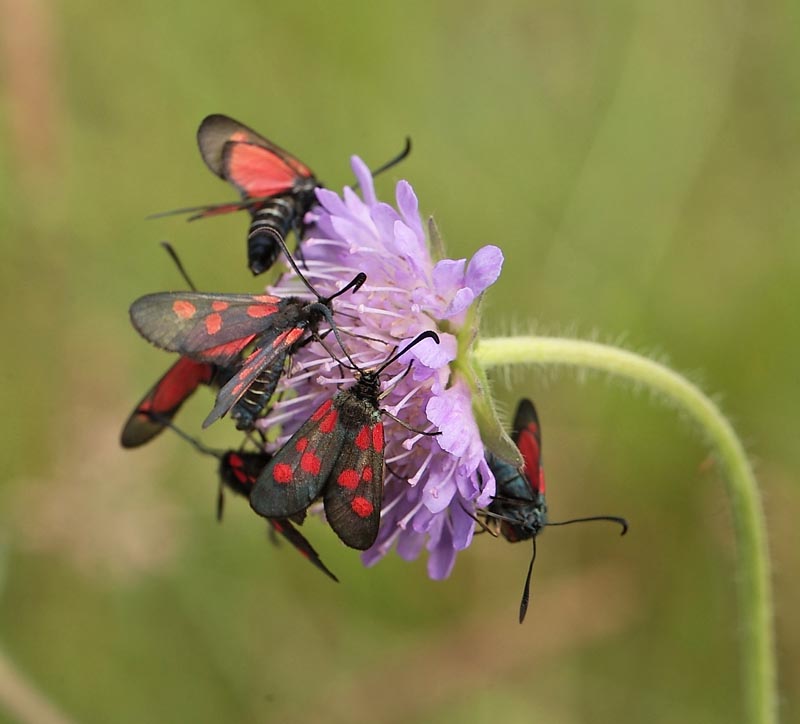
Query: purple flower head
<point x="431" y="481"/>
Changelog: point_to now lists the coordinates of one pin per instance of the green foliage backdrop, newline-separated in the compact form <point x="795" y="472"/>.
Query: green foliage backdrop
<point x="638" y="163"/>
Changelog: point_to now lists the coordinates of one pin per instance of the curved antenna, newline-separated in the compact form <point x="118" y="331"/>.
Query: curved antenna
<point x="526" y="591"/>
<point x="391" y="162"/>
<point x="174" y="255"/>
<point x="355" y="284"/>
<point x="610" y="518"/>
<point x="280" y="241"/>
<point x="326" y="312"/>
<point x="428" y="334"/>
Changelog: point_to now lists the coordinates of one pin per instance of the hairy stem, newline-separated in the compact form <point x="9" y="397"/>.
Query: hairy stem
<point x="755" y="595"/>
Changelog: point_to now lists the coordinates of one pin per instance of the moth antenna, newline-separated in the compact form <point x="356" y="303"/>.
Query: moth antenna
<point x="396" y="382"/>
<point x="174" y="255"/>
<point x="355" y="284"/>
<point x="335" y="329"/>
<point x="161" y="419"/>
<point x="391" y="162"/>
<point x="482" y="524"/>
<point x="428" y="334"/>
<point x="408" y="427"/>
<point x="526" y="591"/>
<point x="611" y="518"/>
<point x="388" y="467"/>
<point x="280" y="241"/>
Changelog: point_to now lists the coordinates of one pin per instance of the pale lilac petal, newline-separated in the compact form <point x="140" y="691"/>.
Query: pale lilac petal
<point x="364" y="177"/>
<point x="434" y="355"/>
<point x="463" y="526"/>
<point x="462" y="300"/>
<point x="437" y="496"/>
<point x="332" y="203"/>
<point x="443" y="557"/>
<point x="448" y="276"/>
<point x="409" y="208"/>
<point x="484" y="269"/>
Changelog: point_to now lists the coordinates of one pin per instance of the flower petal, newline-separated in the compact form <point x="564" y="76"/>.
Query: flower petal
<point x="484" y="268"/>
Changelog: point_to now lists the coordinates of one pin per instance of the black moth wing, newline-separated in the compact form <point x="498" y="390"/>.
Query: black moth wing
<point x="297" y="473"/>
<point x="267" y="358"/>
<point x="526" y="419"/>
<point x="210" y="327"/>
<point x="163" y="400"/>
<point x="299" y="541"/>
<point x="355" y="488"/>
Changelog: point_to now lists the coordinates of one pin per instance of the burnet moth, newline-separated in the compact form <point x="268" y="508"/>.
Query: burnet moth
<point x="218" y="328"/>
<point x="337" y="453"/>
<point x="519" y="505"/>
<point x="238" y="471"/>
<point x="163" y="400"/>
<point x="276" y="188"/>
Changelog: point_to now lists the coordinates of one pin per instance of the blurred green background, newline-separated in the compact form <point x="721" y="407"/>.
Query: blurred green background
<point x="637" y="162"/>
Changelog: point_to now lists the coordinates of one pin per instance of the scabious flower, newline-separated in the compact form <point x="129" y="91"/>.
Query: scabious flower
<point x="431" y="481"/>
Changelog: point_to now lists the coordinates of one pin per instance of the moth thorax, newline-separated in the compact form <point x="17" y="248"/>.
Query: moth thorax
<point x="356" y="411"/>
<point x="367" y="387"/>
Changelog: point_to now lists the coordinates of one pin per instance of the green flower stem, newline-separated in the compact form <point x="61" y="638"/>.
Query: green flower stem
<point x="755" y="596"/>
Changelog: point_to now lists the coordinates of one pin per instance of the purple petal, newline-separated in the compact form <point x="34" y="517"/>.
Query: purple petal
<point x="484" y="268"/>
<point x="410" y="545"/>
<point x="364" y="177"/>
<point x="448" y="276"/>
<point x="409" y="208"/>
<point x="434" y="356"/>
<point x="443" y="556"/>
<point x="462" y="300"/>
<point x="489" y="485"/>
<point x="463" y="527"/>
<point x="331" y="202"/>
<point x="438" y="496"/>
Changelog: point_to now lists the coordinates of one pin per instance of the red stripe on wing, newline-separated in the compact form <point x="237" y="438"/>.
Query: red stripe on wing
<point x="164" y="399"/>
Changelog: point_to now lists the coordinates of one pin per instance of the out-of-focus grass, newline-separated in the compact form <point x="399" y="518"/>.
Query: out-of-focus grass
<point x="639" y="167"/>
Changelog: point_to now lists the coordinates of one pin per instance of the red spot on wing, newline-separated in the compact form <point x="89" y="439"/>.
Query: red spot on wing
<point x="377" y="437"/>
<point x="219" y="306"/>
<point x="301" y="444"/>
<point x="310" y="463"/>
<point x="184" y="309"/>
<point x="364" y="438"/>
<point x="213" y="323"/>
<point x="348" y="478"/>
<point x="257" y="311"/>
<point x="293" y="335"/>
<point x="361" y="507"/>
<point x="237" y="468"/>
<point x="328" y="423"/>
<point x="266" y="299"/>
<point x="282" y="473"/>
<point x="239" y="136"/>
<point x="321" y="410"/>
<point x="366" y="474"/>
<point x="258" y="171"/>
